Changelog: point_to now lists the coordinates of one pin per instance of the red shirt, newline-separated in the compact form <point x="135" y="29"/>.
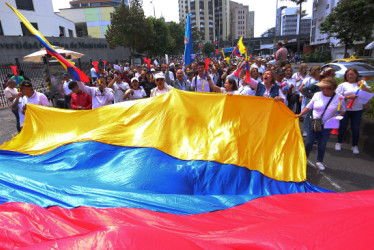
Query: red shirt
<point x="81" y="99"/>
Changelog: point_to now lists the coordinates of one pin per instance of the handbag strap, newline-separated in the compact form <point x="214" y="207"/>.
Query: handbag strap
<point x="332" y="97"/>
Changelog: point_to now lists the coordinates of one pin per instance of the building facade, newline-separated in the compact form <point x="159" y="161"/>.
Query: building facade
<point x="41" y="16"/>
<point x="242" y="20"/>
<point x="95" y="3"/>
<point x="288" y="22"/>
<point x="212" y="17"/>
<point x="89" y="21"/>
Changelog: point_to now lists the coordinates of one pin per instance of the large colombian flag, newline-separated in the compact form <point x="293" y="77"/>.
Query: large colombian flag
<point x="181" y="170"/>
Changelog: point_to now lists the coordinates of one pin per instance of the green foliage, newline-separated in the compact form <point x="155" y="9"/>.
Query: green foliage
<point x="319" y="56"/>
<point x="129" y="28"/>
<point x="350" y="20"/>
<point x="162" y="43"/>
<point x="370" y="113"/>
<point x="197" y="38"/>
<point x="177" y="33"/>
<point x="208" y="49"/>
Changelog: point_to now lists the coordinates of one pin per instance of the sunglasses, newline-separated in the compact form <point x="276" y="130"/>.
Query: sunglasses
<point x="159" y="79"/>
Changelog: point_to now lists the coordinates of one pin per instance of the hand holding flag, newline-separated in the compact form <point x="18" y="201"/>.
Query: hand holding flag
<point x="75" y="73"/>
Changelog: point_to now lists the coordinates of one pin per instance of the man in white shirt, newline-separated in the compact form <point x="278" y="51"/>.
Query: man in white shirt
<point x="161" y="88"/>
<point x="93" y="74"/>
<point x="11" y="93"/>
<point x="28" y="96"/>
<point x="66" y="92"/>
<point x="200" y="82"/>
<point x="119" y="88"/>
<point x="101" y="95"/>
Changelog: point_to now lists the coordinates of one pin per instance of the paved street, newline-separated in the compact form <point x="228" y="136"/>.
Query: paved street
<point x="344" y="171"/>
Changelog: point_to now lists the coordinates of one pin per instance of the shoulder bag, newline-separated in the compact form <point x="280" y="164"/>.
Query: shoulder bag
<point x="317" y="125"/>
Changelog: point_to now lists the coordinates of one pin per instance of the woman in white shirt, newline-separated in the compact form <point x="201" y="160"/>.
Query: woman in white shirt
<point x="135" y="92"/>
<point x="292" y="91"/>
<point x="348" y="90"/>
<point x="299" y="78"/>
<point x="269" y="88"/>
<point x="230" y="87"/>
<point x="320" y="109"/>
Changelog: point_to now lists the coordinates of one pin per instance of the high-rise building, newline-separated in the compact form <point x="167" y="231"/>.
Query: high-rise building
<point x="95" y="3"/>
<point x="91" y="17"/>
<point x="212" y="17"/>
<point x="288" y="22"/>
<point x="242" y="20"/>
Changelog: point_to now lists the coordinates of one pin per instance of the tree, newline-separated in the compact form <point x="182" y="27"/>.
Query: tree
<point x="351" y="20"/>
<point x="129" y="28"/>
<point x="299" y="2"/>
<point x="208" y="49"/>
<point x="177" y="33"/>
<point x="197" y="38"/>
<point x="162" y="43"/>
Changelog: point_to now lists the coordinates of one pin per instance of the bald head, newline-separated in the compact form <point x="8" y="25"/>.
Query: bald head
<point x="180" y="75"/>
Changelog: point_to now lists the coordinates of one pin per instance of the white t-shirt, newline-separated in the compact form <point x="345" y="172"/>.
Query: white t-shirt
<point x="99" y="98"/>
<point x="155" y="91"/>
<point x="65" y="88"/>
<point x="137" y="94"/>
<point x="235" y="92"/>
<point x="36" y="98"/>
<point x="246" y="90"/>
<point x="9" y="93"/>
<point x="346" y="89"/>
<point x="296" y="76"/>
<point x="199" y="82"/>
<point x="171" y="75"/>
<point x="267" y="93"/>
<point x="290" y="82"/>
<point x="93" y="72"/>
<point x="118" y="94"/>
<point x="318" y="104"/>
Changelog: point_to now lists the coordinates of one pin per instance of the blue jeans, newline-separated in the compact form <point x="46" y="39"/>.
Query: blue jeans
<point x="308" y="121"/>
<point x="322" y="138"/>
<point x="15" y="112"/>
<point x="355" y="117"/>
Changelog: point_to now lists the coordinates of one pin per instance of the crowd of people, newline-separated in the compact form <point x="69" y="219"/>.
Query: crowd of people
<point x="312" y="94"/>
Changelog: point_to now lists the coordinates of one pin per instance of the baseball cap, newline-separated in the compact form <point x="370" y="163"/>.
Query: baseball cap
<point x="26" y="84"/>
<point x="134" y="79"/>
<point x="159" y="76"/>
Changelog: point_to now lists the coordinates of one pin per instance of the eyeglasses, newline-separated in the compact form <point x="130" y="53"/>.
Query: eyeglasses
<point x="159" y="79"/>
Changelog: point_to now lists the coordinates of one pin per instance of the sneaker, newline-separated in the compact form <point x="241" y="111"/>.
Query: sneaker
<point x="320" y="166"/>
<point x="305" y="134"/>
<point x="355" y="150"/>
<point x="338" y="146"/>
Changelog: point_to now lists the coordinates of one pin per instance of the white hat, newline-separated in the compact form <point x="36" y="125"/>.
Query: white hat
<point x="134" y="79"/>
<point x="160" y="76"/>
<point x="153" y="70"/>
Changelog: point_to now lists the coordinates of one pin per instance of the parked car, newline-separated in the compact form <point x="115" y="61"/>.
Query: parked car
<point x="351" y="60"/>
<point x="365" y="70"/>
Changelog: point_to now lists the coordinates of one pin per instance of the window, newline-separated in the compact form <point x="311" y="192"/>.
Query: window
<point x="25" y="31"/>
<point x="70" y="33"/>
<point x="62" y="31"/>
<point x="24" y="5"/>
<point x="1" y="30"/>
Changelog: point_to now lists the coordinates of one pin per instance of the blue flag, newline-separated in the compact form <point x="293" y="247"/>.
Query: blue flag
<point x="188" y="45"/>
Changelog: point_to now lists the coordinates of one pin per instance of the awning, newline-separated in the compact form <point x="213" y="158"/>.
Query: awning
<point x="267" y="46"/>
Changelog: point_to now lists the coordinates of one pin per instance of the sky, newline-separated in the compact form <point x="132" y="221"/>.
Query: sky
<point x="264" y="10"/>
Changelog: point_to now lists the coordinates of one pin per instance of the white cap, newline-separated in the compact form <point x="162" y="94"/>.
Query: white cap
<point x="134" y="79"/>
<point x="160" y="76"/>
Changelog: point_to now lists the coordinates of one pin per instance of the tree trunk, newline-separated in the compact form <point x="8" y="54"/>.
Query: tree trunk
<point x="345" y="49"/>
<point x="299" y="35"/>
